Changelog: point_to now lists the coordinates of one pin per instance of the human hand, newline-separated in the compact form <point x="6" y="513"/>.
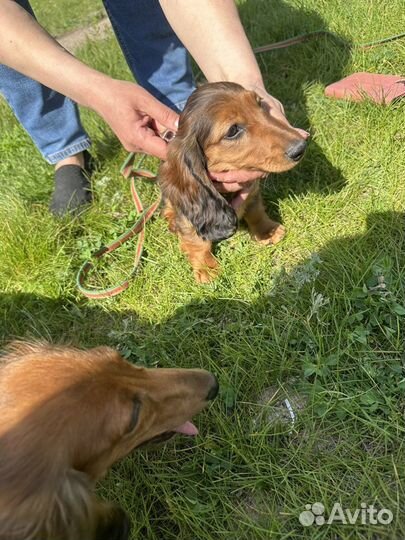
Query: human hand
<point x="136" y="117"/>
<point x="229" y="181"/>
<point x="276" y="109"/>
<point x="242" y="189"/>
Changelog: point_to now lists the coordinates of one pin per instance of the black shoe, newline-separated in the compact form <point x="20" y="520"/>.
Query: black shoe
<point x="72" y="187"/>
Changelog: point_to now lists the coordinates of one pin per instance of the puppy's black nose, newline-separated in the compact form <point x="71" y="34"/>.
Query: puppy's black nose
<point x="213" y="390"/>
<point x="296" y="150"/>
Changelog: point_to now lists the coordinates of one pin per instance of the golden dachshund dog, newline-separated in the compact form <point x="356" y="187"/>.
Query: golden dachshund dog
<point x="66" y="416"/>
<point x="223" y="127"/>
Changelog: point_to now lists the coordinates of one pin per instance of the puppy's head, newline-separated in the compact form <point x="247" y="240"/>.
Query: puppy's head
<point x="240" y="132"/>
<point x="223" y="127"/>
<point x="87" y="409"/>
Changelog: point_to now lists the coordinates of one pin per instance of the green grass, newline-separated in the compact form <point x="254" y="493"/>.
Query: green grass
<point x="321" y="315"/>
<point x="60" y="16"/>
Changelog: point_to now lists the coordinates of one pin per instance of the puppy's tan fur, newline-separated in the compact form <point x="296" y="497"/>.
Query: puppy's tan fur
<point x="66" y="416"/>
<point x="193" y="208"/>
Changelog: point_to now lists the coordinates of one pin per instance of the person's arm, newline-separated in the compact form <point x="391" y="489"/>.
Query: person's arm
<point x="212" y="32"/>
<point x="131" y="111"/>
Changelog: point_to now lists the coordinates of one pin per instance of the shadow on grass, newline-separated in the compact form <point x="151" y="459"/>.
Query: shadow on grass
<point x="340" y="265"/>
<point x="339" y="313"/>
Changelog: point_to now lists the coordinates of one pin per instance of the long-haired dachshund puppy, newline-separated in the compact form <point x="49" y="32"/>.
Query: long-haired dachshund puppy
<point x="223" y="127"/>
<point x="66" y="416"/>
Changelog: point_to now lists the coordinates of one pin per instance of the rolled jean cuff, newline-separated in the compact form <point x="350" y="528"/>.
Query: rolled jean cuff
<point x="71" y="150"/>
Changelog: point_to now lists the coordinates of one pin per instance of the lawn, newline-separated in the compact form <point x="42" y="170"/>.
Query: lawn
<point x="318" y="319"/>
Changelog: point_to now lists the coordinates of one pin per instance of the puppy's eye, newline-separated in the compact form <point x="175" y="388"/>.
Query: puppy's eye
<point x="234" y="132"/>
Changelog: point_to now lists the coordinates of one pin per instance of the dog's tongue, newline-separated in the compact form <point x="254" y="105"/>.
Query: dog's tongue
<point x="188" y="428"/>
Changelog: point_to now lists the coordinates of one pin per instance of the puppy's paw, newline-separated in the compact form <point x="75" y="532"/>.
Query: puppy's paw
<point x="205" y="276"/>
<point x="207" y="272"/>
<point x="273" y="235"/>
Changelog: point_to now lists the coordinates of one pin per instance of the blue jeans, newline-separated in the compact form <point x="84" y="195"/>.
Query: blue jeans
<point x="154" y="54"/>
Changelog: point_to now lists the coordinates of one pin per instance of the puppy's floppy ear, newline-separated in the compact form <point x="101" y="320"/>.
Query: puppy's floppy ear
<point x="185" y="183"/>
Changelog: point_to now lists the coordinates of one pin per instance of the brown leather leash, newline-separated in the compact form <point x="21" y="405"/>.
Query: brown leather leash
<point x="302" y="38"/>
<point x="138" y="229"/>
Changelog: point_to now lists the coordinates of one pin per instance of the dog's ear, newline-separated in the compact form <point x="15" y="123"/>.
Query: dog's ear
<point x="185" y="183"/>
